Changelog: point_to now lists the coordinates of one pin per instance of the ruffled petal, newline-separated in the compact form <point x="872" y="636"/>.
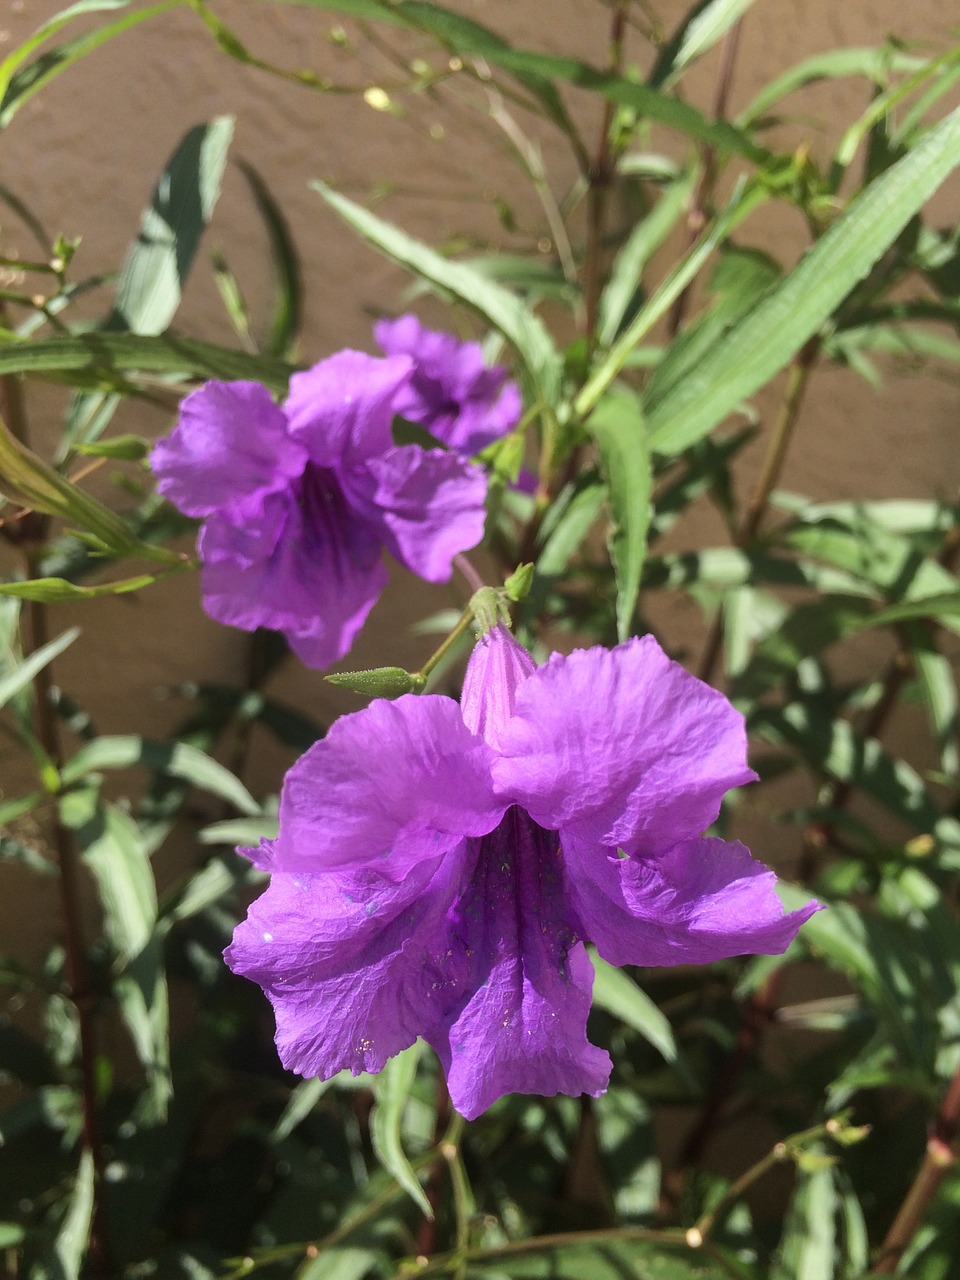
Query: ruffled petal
<point x="342" y="410"/>
<point x="315" y="584"/>
<point x="704" y="900"/>
<point x="231" y="445"/>
<point x="624" y="745"/>
<point x="389" y="786"/>
<point x="427" y="505"/>
<point x="498" y="666"/>
<point x="521" y="1027"/>
<point x="352" y="963"/>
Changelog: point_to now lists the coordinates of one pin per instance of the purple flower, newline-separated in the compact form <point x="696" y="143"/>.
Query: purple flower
<point x="299" y="501"/>
<point x="452" y="393"/>
<point x="439" y="868"/>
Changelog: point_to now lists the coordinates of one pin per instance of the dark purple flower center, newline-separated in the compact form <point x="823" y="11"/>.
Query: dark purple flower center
<point x="515" y="897"/>
<point x="330" y="527"/>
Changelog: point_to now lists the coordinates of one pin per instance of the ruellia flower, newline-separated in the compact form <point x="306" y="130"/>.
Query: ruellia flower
<point x="299" y="501"/>
<point x="439" y="868"/>
<point x="452" y="393"/>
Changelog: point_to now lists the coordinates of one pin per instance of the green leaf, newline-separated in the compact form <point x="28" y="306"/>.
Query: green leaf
<point x="618" y="428"/>
<point x="880" y="957"/>
<point x="70" y="1246"/>
<point x="175" y="759"/>
<point x="26" y="479"/>
<point x="155" y="269"/>
<point x="393" y="1086"/>
<point x="629" y="264"/>
<point x="500" y="308"/>
<point x="113" y="848"/>
<point x="21" y="676"/>
<point x="127" y="448"/>
<point x="378" y="682"/>
<point x="19" y="82"/>
<point x="619" y="995"/>
<point x="808" y="1247"/>
<point x="240" y="831"/>
<point x="100" y="359"/>
<point x="834" y="748"/>
<point x="874" y="64"/>
<point x="700" y="30"/>
<point x="940" y="607"/>
<point x="57" y="590"/>
<point x="775" y="330"/>
<point x="288" y="309"/>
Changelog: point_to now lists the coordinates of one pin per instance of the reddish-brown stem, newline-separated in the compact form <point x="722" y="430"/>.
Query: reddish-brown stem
<point x="80" y="990"/>
<point x="938" y="1159"/>
<point x="757" y="1014"/>
<point x="79" y="986"/>
<point x="697" y="217"/>
<point x="599" y="178"/>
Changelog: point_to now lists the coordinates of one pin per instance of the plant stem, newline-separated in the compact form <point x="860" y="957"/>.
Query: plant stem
<point x="79" y="987"/>
<point x="797" y="382"/>
<point x="697" y="217"/>
<point x="939" y="1158"/>
<point x="81" y="993"/>
<point x="599" y="178"/>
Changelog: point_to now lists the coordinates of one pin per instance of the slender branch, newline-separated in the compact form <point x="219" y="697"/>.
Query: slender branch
<point x="599" y="178"/>
<point x="697" y="217"/>
<point x="32" y="535"/>
<point x="798" y="379"/>
<point x="80" y="990"/>
<point x="939" y="1157"/>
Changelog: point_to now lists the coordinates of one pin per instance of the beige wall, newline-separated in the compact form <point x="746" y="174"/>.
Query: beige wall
<point x="85" y="153"/>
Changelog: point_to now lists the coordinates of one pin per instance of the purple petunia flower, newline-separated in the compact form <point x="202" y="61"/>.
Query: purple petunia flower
<point x="452" y="393"/>
<point x="439" y="868"/>
<point x="299" y="501"/>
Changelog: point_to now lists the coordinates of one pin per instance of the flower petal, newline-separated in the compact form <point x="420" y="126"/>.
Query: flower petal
<point x="342" y="411"/>
<point x="451" y="393"/>
<point x="316" y="585"/>
<point x="389" y="786"/>
<point x="230" y="445"/>
<point x="703" y="900"/>
<point x="498" y="666"/>
<point x="623" y="743"/>
<point x="521" y="1027"/>
<point x="342" y="958"/>
<point x="427" y="504"/>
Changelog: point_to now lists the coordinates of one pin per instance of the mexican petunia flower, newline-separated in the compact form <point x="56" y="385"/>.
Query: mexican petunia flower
<point x="452" y="393"/>
<point x="440" y="867"/>
<point x="299" y="501"/>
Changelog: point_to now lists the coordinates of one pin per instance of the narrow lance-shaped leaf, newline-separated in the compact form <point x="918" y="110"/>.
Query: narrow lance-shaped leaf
<point x="618" y="428"/>
<point x="20" y="677"/>
<point x="700" y="31"/>
<point x="288" y="308"/>
<point x="762" y="344"/>
<point x="619" y="995"/>
<point x="19" y="82"/>
<point x="393" y="1087"/>
<point x="98" y="359"/>
<point x="500" y="308"/>
<point x="153" y="274"/>
<point x="27" y="479"/>
<point x="643" y="241"/>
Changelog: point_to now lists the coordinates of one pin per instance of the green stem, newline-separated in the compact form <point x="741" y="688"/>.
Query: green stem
<point x="798" y="379"/>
